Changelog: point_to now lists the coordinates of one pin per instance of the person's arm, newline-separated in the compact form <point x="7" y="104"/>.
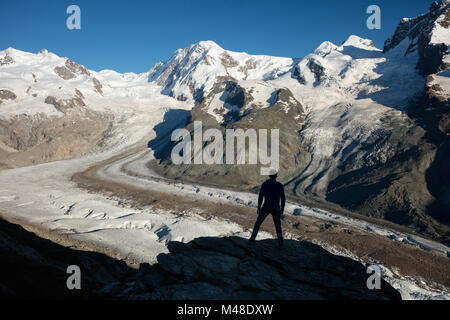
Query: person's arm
<point x="283" y="199"/>
<point x="260" y="197"/>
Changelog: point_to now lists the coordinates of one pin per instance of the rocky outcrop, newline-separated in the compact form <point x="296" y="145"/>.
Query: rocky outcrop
<point x="250" y="64"/>
<point x="205" y="268"/>
<point x="6" y="60"/>
<point x="70" y="70"/>
<point x="228" y="61"/>
<point x="76" y="68"/>
<point x="29" y="140"/>
<point x="435" y="96"/>
<point x="234" y="97"/>
<point x="7" y="95"/>
<point x="434" y="116"/>
<point x="431" y="58"/>
<point x="418" y="31"/>
<point x="64" y="105"/>
<point x="317" y="69"/>
<point x="231" y="268"/>
<point x="97" y="85"/>
<point x="64" y="73"/>
<point x="297" y="74"/>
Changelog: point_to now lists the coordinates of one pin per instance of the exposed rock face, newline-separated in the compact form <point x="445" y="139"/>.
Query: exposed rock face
<point x="414" y="183"/>
<point x="431" y="58"/>
<point x="97" y="85"/>
<point x="7" y="95"/>
<point x="233" y="96"/>
<point x="298" y="75"/>
<point x="317" y="69"/>
<point x="418" y="31"/>
<point x="390" y="183"/>
<point x="435" y="95"/>
<point x="36" y="267"/>
<point x="64" y="73"/>
<point x="71" y="70"/>
<point x="435" y="118"/>
<point x="6" y="60"/>
<point x="228" y="61"/>
<point x="63" y="105"/>
<point x="76" y="68"/>
<point x="284" y="113"/>
<point x="434" y="111"/>
<point x="230" y="268"/>
<point x="27" y="140"/>
<point x="250" y="64"/>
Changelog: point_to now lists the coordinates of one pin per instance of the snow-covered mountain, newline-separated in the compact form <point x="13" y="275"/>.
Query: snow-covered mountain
<point x="219" y="80"/>
<point x="363" y="127"/>
<point x="192" y="72"/>
<point x="362" y="138"/>
<point x="52" y="108"/>
<point x="31" y="79"/>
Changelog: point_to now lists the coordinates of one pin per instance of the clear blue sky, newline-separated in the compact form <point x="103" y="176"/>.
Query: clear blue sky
<point x="133" y="35"/>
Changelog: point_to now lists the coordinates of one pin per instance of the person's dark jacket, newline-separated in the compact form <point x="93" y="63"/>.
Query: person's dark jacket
<point x="273" y="193"/>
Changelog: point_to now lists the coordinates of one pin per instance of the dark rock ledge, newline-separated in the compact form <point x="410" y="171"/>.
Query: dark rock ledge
<point x="205" y="268"/>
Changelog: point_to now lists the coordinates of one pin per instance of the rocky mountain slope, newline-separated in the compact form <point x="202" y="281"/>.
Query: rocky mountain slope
<point x="205" y="268"/>
<point x="410" y="185"/>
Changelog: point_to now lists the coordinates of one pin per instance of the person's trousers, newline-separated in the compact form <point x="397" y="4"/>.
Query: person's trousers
<point x="263" y="213"/>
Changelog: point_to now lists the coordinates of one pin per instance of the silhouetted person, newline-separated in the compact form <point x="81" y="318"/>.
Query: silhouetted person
<point x="274" y="200"/>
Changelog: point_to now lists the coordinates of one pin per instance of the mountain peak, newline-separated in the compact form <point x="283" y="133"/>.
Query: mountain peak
<point x="20" y="55"/>
<point x="358" y="42"/>
<point x="201" y="46"/>
<point x="11" y="50"/>
<point x="325" y="48"/>
<point x="208" y="44"/>
<point x="426" y="35"/>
